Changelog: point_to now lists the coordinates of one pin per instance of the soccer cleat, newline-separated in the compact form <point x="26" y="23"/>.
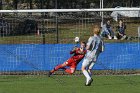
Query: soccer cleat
<point x="89" y="82"/>
<point x="109" y="37"/>
<point x="115" y="38"/>
<point x="49" y="74"/>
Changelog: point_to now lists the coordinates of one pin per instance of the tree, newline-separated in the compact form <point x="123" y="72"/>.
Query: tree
<point x="1" y="5"/>
<point x="15" y="3"/>
<point x="30" y="3"/>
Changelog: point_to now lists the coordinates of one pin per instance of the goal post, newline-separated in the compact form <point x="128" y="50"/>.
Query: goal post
<point x="36" y="40"/>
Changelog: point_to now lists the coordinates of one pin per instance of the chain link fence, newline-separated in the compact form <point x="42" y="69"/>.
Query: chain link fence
<point x="66" y="4"/>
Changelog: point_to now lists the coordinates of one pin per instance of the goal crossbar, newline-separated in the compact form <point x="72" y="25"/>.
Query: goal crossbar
<point x="70" y="10"/>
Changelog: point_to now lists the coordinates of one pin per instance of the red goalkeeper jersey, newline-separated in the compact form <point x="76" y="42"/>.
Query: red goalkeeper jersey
<point x="78" y="54"/>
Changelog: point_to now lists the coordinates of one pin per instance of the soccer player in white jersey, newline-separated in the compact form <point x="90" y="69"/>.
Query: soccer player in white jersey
<point x="94" y="47"/>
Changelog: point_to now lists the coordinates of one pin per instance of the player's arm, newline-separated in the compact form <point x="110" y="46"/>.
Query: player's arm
<point x="73" y="51"/>
<point x="82" y="52"/>
<point x="89" y="43"/>
<point x="87" y="47"/>
<point x="120" y="34"/>
<point x="103" y="47"/>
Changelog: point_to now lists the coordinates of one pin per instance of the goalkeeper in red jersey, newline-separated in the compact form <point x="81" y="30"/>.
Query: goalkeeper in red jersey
<point x="72" y="62"/>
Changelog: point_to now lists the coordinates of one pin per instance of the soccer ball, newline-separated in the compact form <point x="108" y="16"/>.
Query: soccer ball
<point x="77" y="39"/>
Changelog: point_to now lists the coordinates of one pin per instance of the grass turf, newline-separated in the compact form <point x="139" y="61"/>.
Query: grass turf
<point x="69" y="84"/>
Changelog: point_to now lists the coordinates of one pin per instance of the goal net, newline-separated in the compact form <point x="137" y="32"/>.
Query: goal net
<point x="34" y="41"/>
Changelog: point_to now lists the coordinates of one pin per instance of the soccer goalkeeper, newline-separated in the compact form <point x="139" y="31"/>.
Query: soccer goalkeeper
<point x="72" y="62"/>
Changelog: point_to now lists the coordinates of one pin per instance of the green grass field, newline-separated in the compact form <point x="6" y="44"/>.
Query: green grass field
<point x="69" y="84"/>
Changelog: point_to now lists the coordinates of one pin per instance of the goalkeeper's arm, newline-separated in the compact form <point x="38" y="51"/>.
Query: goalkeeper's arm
<point x="73" y="51"/>
<point x="82" y="52"/>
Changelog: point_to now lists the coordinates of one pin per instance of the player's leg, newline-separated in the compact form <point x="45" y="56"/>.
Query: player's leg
<point x="94" y="59"/>
<point x="108" y="34"/>
<point x="72" y="68"/>
<point x="90" y="67"/>
<point x="60" y="66"/>
<point x="85" y="64"/>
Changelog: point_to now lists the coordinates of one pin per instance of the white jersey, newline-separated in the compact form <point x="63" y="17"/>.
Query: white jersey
<point x="96" y="47"/>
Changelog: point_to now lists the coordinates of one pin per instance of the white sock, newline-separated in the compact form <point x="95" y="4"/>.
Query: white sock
<point x="89" y="72"/>
<point x="90" y="67"/>
<point x="86" y="75"/>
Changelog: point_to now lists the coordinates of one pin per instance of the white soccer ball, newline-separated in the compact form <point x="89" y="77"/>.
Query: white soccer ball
<point x="77" y="39"/>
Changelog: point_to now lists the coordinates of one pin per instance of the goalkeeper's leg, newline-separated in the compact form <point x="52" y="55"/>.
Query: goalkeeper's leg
<point x="61" y="66"/>
<point x="70" y="70"/>
<point x="72" y="64"/>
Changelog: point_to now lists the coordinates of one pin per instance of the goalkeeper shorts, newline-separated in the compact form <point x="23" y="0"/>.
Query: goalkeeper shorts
<point x="71" y="63"/>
